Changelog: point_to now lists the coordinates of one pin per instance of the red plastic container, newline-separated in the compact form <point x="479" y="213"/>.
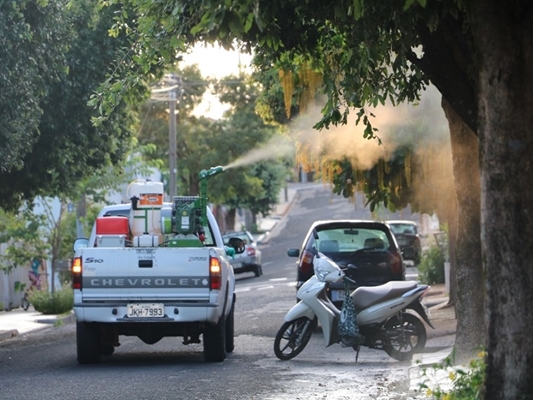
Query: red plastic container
<point x="112" y="225"/>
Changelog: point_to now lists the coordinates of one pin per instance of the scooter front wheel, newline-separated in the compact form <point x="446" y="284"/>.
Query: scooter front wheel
<point x="293" y="336"/>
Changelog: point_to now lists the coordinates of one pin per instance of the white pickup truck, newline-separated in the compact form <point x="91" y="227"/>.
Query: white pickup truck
<point x="173" y="279"/>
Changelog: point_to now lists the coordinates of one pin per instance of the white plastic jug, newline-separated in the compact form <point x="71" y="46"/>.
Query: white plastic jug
<point x="146" y="218"/>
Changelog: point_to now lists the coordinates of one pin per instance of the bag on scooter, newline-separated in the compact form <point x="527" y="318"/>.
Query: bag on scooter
<point x="348" y="327"/>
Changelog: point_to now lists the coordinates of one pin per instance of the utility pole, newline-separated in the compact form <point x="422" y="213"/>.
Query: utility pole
<point x="172" y="148"/>
<point x="171" y="91"/>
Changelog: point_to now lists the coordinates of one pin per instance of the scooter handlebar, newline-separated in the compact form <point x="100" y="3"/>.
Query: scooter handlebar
<point x="349" y="279"/>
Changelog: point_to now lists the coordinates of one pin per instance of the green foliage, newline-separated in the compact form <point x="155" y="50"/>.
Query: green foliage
<point x="32" y="46"/>
<point x="59" y="302"/>
<point x="368" y="55"/>
<point x="259" y="151"/>
<point x="55" y="59"/>
<point x="431" y="267"/>
<point x="270" y="103"/>
<point x="203" y="143"/>
<point x="465" y="383"/>
<point x="272" y="176"/>
<point x="25" y="237"/>
<point x="19" y="286"/>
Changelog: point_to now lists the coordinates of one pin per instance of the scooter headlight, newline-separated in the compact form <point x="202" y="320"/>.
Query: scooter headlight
<point x="321" y="273"/>
<point x="326" y="270"/>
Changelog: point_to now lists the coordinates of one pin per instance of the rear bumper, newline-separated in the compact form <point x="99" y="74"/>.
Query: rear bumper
<point x="174" y="313"/>
<point x="247" y="260"/>
<point x="244" y="264"/>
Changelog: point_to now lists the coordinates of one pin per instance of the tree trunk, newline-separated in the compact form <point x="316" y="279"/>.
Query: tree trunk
<point x="218" y="212"/>
<point x="503" y="37"/>
<point x="255" y="228"/>
<point x="452" y="241"/>
<point x="469" y="277"/>
<point x="230" y="219"/>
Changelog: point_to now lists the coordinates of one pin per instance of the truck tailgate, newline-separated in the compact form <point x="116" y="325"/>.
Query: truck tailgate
<point x="111" y="274"/>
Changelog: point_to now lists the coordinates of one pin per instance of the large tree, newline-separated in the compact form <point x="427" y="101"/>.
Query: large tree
<point x="477" y="53"/>
<point x="503" y="37"/>
<point x="32" y="46"/>
<point x="53" y="57"/>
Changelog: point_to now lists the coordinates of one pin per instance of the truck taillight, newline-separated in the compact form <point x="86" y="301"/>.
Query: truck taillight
<point x="215" y="273"/>
<point x="76" y="269"/>
<point x="250" y="251"/>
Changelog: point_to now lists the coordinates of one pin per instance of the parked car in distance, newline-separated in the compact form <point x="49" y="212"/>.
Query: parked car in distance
<point x="406" y="233"/>
<point x="369" y="245"/>
<point x="250" y="260"/>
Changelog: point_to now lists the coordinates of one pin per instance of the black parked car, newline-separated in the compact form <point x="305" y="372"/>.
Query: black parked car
<point x="369" y="245"/>
<point x="406" y="233"/>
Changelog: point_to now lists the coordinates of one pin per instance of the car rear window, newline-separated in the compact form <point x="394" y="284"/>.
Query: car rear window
<point x="350" y="240"/>
<point x="403" y="228"/>
<point x="242" y="236"/>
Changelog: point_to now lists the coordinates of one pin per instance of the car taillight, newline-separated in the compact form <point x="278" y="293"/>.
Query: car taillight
<point x="76" y="268"/>
<point x="250" y="251"/>
<point x="396" y="263"/>
<point x="215" y="273"/>
<point x="306" y="266"/>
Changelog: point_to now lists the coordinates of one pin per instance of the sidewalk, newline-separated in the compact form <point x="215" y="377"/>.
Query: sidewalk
<point x="18" y="322"/>
<point x="439" y="345"/>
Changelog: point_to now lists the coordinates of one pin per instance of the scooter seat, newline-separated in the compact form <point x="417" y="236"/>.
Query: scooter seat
<point x="366" y="296"/>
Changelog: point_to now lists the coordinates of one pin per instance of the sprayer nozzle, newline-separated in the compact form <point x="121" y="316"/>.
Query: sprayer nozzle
<point x="210" y="172"/>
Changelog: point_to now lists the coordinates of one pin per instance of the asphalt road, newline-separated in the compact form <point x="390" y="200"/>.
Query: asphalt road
<point x="43" y="365"/>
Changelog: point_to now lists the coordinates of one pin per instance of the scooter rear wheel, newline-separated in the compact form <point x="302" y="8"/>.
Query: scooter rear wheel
<point x="292" y="337"/>
<point x="404" y="338"/>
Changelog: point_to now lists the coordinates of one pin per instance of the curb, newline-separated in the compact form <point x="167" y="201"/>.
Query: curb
<point x="53" y="320"/>
<point x="47" y="321"/>
<point x="265" y="238"/>
<point x="9" y="334"/>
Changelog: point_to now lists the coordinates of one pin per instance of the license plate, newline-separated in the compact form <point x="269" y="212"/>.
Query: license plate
<point x="337" y="295"/>
<point x="146" y="310"/>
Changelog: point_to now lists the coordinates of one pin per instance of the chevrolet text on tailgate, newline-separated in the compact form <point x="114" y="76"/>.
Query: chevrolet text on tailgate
<point x="153" y="269"/>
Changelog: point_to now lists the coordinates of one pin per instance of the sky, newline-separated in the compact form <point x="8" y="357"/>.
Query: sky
<point x="215" y="62"/>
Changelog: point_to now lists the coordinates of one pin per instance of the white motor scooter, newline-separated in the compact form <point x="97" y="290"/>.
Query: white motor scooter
<point x="382" y="316"/>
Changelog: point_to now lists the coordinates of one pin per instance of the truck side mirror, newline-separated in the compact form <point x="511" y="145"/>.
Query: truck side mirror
<point x="80" y="243"/>
<point x="237" y="244"/>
